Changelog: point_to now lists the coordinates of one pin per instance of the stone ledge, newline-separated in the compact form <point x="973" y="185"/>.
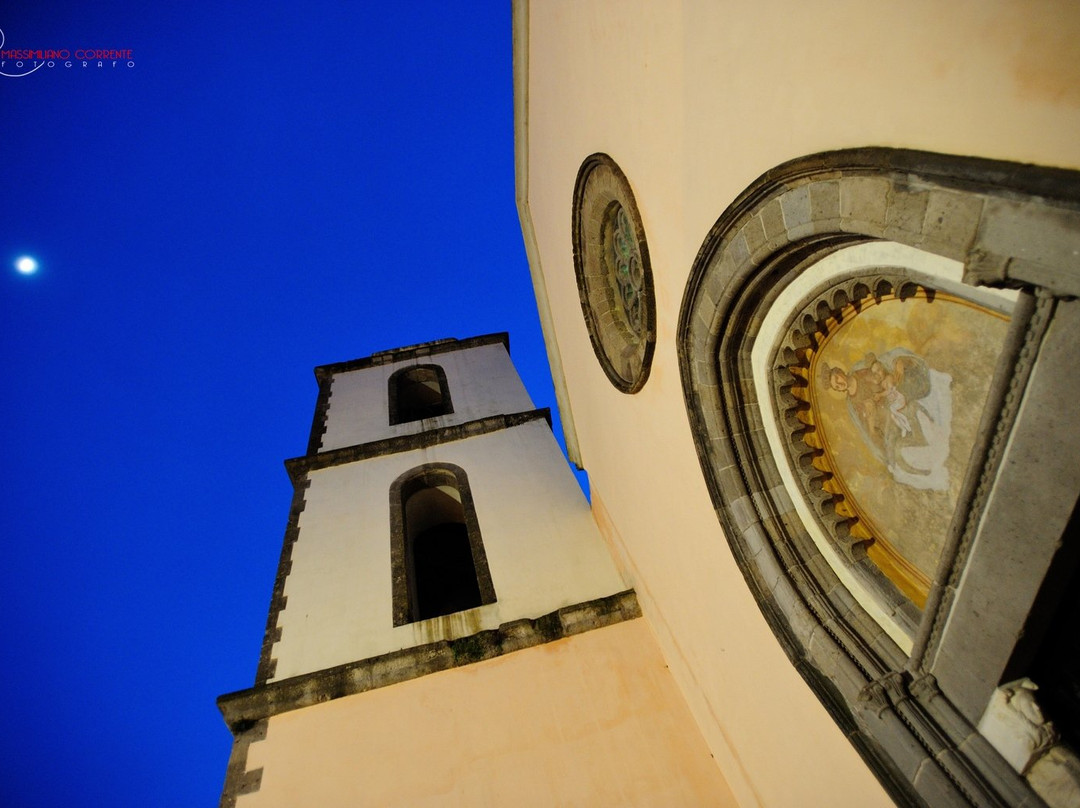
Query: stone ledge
<point x="298" y="466"/>
<point x="412" y="352"/>
<point x="244" y="708"/>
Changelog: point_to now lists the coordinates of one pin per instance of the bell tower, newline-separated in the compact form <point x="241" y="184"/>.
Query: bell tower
<point x="439" y="574"/>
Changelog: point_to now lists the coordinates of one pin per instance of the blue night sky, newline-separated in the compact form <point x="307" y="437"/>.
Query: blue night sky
<point x="268" y="189"/>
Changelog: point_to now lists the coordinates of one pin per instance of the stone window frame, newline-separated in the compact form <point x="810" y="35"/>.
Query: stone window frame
<point x="911" y="716"/>
<point x="430" y="475"/>
<point x="600" y="185"/>
<point x="392" y="392"/>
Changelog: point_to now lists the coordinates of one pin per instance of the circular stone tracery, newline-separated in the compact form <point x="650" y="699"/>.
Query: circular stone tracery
<point x="624" y="259"/>
<point x="611" y="260"/>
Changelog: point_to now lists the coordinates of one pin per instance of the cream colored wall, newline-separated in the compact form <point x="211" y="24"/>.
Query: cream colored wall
<point x="695" y="100"/>
<point x="544" y="551"/>
<point x="593" y="720"/>
<point x="482" y="382"/>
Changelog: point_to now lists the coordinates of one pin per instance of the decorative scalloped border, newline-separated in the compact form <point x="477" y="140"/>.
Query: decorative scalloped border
<point x="850" y="530"/>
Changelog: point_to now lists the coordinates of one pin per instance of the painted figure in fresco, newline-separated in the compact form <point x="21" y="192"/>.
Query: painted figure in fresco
<point x="890" y="394"/>
<point x="903" y="409"/>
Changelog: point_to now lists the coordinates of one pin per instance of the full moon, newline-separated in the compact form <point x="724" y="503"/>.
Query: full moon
<point x="26" y="265"/>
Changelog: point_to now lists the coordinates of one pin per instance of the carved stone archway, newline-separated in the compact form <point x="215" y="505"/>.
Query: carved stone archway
<point x="910" y="706"/>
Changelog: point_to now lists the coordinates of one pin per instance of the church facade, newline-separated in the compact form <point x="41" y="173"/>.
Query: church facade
<point x="809" y="278"/>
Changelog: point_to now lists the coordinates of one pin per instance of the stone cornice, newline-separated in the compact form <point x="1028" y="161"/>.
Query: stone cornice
<point x="244" y="708"/>
<point x="413" y="352"/>
<point x="298" y="466"/>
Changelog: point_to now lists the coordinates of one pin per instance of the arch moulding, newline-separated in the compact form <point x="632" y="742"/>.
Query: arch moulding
<point x="912" y="709"/>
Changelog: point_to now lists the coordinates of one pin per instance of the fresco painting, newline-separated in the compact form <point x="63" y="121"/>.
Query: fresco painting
<point x="903" y="408"/>
<point x="897" y="390"/>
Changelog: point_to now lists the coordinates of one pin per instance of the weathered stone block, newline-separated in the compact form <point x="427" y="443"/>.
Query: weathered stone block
<point x="715" y="285"/>
<point x="864" y="199"/>
<point x="796" y="208"/>
<point x="905" y="214"/>
<point x="754" y="234"/>
<point x="772" y="222"/>
<point x="951" y="222"/>
<point x="742" y="510"/>
<point x="727" y="268"/>
<point x="825" y="200"/>
<point x="769" y="568"/>
<point x="771" y="478"/>
<point x="1038" y="233"/>
<point x="781" y="499"/>
<point x="728" y="477"/>
<point x="740" y="252"/>
<point x="799" y="232"/>
<point x="934" y="786"/>
<point x="822" y="649"/>
<point x="703" y="321"/>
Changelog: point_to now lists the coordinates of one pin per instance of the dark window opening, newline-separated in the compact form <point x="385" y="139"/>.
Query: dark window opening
<point x="417" y="393"/>
<point x="445" y="578"/>
<point x="437" y="554"/>
<point x="1056" y="664"/>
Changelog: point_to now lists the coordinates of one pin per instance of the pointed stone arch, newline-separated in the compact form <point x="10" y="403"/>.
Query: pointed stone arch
<point x="911" y="709"/>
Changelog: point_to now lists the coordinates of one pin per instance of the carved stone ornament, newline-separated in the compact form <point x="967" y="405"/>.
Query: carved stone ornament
<point x="611" y="260"/>
<point x="1014" y="723"/>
